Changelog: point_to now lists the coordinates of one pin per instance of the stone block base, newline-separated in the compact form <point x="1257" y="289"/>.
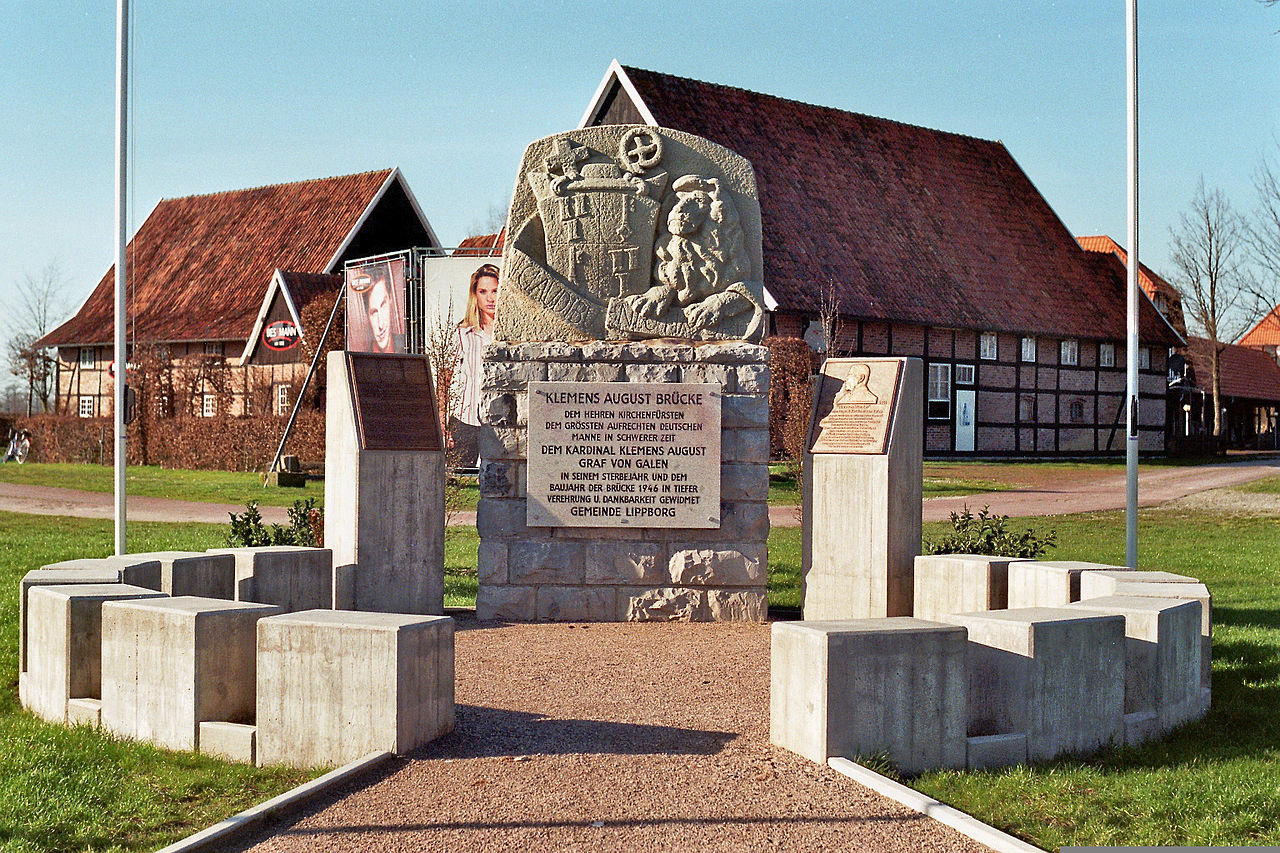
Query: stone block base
<point x="960" y="583"/>
<point x="288" y="576"/>
<point x="869" y="686"/>
<point x="336" y="685"/>
<point x="84" y="712"/>
<point x="1049" y="583"/>
<point x="992" y="751"/>
<point x="232" y="741"/>
<point x="195" y="573"/>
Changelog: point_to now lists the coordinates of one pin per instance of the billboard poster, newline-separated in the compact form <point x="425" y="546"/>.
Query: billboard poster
<point x="375" y="306"/>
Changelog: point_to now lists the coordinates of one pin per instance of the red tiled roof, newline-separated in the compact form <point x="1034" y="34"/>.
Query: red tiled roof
<point x="304" y="286"/>
<point x="915" y="225"/>
<point x="1266" y="333"/>
<point x="200" y="265"/>
<point x="1246" y="373"/>
<point x="487" y="242"/>
<point x="1150" y="282"/>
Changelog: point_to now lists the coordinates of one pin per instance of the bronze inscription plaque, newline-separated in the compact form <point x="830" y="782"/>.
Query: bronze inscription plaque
<point x="854" y="406"/>
<point x="395" y="402"/>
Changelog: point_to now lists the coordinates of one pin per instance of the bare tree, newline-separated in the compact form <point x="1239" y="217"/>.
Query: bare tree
<point x="1218" y="292"/>
<point x="1264" y="229"/>
<point x="493" y="221"/>
<point x="41" y="301"/>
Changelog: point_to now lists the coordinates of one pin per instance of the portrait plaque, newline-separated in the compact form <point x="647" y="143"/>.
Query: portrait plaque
<point x="853" y="406"/>
<point x="395" y="402"/>
<point x="631" y="454"/>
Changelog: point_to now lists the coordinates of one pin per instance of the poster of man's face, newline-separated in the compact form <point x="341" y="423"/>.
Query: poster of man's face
<point x="375" y="307"/>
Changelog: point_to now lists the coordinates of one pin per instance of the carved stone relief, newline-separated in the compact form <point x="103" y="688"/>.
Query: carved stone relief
<point x="632" y="232"/>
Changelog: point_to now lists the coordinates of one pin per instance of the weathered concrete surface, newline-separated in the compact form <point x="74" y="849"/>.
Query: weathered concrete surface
<point x="384" y="514"/>
<point x="169" y="664"/>
<point x="1055" y="674"/>
<point x="137" y="570"/>
<point x="991" y="751"/>
<point x="290" y="576"/>
<point x="862" y="524"/>
<point x="84" y="712"/>
<point x="49" y="577"/>
<point x="65" y="644"/>
<point x="1049" y="583"/>
<point x="336" y="685"/>
<point x="194" y="573"/>
<point x="868" y="686"/>
<point x="960" y="583"/>
<point x="232" y="741"/>
<point x="1187" y="592"/>
<point x="1162" y="655"/>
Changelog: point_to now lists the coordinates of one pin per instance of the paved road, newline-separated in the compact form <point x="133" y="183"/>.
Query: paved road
<point x="1104" y="492"/>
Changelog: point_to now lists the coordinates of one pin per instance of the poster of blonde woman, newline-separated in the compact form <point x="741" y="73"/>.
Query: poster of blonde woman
<point x="375" y="306"/>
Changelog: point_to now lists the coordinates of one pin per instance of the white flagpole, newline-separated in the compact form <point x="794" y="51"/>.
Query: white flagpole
<point x="1131" y="354"/>
<point x="121" y="359"/>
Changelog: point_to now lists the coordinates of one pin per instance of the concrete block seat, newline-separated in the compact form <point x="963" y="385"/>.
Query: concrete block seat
<point x="867" y="686"/>
<point x="169" y="664"/>
<point x="69" y="572"/>
<point x="1162" y="661"/>
<point x="290" y="576"/>
<point x="1049" y="583"/>
<point x="334" y="685"/>
<point x="194" y="573"/>
<point x="65" y="644"/>
<point x="1142" y="586"/>
<point x="960" y="583"/>
<point x="1055" y="675"/>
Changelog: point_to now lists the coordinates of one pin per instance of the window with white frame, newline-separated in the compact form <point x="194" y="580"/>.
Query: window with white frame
<point x="1069" y="352"/>
<point x="964" y="374"/>
<point x="939" y="407"/>
<point x="1106" y="355"/>
<point x="213" y="348"/>
<point x="282" y="400"/>
<point x="1144" y="358"/>
<point x="1028" y="349"/>
<point x="209" y="406"/>
<point x="87" y="407"/>
<point x="88" y="358"/>
<point x="988" y="347"/>
<point x="1027" y="408"/>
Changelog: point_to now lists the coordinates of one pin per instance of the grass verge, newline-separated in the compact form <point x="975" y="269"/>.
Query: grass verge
<point x="149" y="481"/>
<point x="79" y="788"/>
<point x="947" y="481"/>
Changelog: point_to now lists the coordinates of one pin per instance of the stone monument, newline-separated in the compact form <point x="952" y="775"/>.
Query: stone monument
<point x="384" y="470"/>
<point x="862" y="478"/>
<point x="624" y="404"/>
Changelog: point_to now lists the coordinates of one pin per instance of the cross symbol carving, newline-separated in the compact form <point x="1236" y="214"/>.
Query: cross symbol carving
<point x="566" y="159"/>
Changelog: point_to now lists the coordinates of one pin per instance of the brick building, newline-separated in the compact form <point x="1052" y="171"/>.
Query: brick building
<point x="935" y="245"/>
<point x="222" y="280"/>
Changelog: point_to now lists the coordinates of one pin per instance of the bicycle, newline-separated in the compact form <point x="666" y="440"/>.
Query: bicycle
<point x="19" y="446"/>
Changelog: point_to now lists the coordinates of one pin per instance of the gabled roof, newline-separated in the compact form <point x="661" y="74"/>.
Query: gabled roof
<point x="1245" y="373"/>
<point x="912" y="224"/>
<point x="482" y="244"/>
<point x="199" y="265"/>
<point x="297" y="289"/>
<point x="1149" y="281"/>
<point x="1266" y="333"/>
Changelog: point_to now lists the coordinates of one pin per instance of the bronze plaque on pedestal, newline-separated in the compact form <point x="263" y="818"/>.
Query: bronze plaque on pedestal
<point x="853" y="405"/>
<point x="395" y="402"/>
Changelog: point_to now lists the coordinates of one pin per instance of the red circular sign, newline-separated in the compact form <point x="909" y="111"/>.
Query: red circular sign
<point x="281" y="335"/>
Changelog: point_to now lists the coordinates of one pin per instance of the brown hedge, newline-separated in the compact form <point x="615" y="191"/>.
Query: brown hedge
<point x="791" y="363"/>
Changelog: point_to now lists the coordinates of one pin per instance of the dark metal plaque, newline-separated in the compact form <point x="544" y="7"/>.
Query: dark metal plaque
<point x="395" y="401"/>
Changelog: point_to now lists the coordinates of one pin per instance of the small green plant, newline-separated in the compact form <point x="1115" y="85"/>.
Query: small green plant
<point x="989" y="534"/>
<point x="306" y="525"/>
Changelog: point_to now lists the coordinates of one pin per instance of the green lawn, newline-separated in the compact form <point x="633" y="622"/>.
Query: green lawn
<point x="785" y="491"/>
<point x="72" y="789"/>
<point x="1265" y="486"/>
<point x="227" y="487"/>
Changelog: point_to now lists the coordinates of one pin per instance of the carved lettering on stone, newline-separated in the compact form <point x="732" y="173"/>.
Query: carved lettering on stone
<point x="632" y="232"/>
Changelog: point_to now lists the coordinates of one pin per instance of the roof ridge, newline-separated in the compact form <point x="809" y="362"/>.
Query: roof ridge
<point x="387" y="171"/>
<point x="629" y="68"/>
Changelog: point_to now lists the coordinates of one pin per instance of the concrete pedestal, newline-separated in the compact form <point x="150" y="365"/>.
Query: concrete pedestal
<point x="869" y="686"/>
<point x="289" y="576"/>
<point x="960" y="583"/>
<point x="861" y="529"/>
<point x="169" y="664"/>
<point x="194" y="573"/>
<point x="1182" y="592"/>
<point x="1053" y="674"/>
<point x="1049" y="583"/>
<point x="384" y="512"/>
<point x="50" y="576"/>
<point x="65" y="644"/>
<point x="334" y="685"/>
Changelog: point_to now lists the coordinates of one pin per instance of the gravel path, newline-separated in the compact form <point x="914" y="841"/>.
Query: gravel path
<point x="610" y="737"/>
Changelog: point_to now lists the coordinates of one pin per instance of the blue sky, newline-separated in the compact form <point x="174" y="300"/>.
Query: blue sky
<point x="237" y="94"/>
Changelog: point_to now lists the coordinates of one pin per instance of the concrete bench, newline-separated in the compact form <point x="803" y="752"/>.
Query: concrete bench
<point x="170" y="663"/>
<point x="960" y="583"/>
<point x="50" y="576"/>
<point x="65" y="644"/>
<point x="1162" y="661"/>
<point x="1053" y="674"/>
<point x="869" y="686"/>
<point x="134" y="570"/>
<point x="1049" y="583"/>
<point x="334" y="685"/>
<point x="195" y="573"/>
<point x="289" y="576"/>
<point x="1183" y="592"/>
